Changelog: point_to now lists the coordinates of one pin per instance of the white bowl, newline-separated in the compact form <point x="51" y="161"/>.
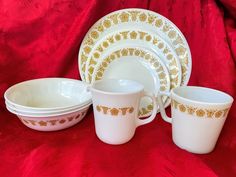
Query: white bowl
<point x="52" y="122"/>
<point x="40" y="114"/>
<point x="46" y="112"/>
<point x="48" y="94"/>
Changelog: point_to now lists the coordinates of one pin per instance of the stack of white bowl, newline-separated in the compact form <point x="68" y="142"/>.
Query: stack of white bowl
<point x="49" y="104"/>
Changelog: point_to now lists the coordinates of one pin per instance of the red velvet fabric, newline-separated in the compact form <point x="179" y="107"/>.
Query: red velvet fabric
<point x="42" y="38"/>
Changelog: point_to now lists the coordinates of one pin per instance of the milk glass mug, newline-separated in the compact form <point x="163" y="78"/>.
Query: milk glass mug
<point x="198" y="115"/>
<point x="116" y="105"/>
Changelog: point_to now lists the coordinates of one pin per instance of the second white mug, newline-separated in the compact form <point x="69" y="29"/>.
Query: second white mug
<point x="198" y="115"/>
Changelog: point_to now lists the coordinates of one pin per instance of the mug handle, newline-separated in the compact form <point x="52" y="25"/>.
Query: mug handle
<point x="154" y="111"/>
<point x="161" y="106"/>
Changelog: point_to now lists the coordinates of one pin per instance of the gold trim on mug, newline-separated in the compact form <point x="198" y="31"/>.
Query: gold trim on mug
<point x="114" y="111"/>
<point x="199" y="112"/>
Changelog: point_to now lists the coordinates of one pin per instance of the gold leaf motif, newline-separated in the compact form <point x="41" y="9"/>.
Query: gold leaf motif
<point x="114" y="18"/>
<point x="99" y="48"/>
<point x="174" y="80"/>
<point x="178" y="40"/>
<point x="134" y="15"/>
<point x="184" y="69"/>
<point x="70" y="119"/>
<point x="96" y="55"/>
<point x="53" y="122"/>
<point x="114" y="111"/>
<point x="169" y="56"/>
<point x="162" y="88"/>
<point x="33" y="122"/>
<point x="142" y="17"/>
<point x="100" y="28"/>
<point x="105" y="44"/>
<point x="83" y="58"/>
<point x="210" y="113"/>
<point x="142" y="34"/>
<point x="155" y="41"/>
<point x="180" y="50"/>
<point x="147" y="57"/>
<point x="112" y="57"/>
<point x="161" y="45"/>
<point x="104" y="109"/>
<point x="83" y="68"/>
<point x="182" y="108"/>
<point x="166" y="28"/>
<point x="191" y="110"/>
<point x="89" y="41"/>
<point x="99" y="74"/>
<point x="117" y="53"/>
<point x="42" y="123"/>
<point x="137" y="52"/>
<point x="142" y="53"/>
<point x="124" y="52"/>
<point x="78" y="116"/>
<point x="173" y="63"/>
<point x="131" y="110"/>
<point x="172" y="34"/>
<point x="124" y="110"/>
<point x="117" y="37"/>
<point x="124" y="17"/>
<point x="92" y="61"/>
<point x="156" y="64"/>
<point x="62" y="121"/>
<point x="110" y="39"/>
<point x="131" y="51"/>
<point x="151" y="18"/>
<point x="166" y="50"/>
<point x="87" y="49"/>
<point x="200" y="113"/>
<point x="104" y="64"/>
<point x="133" y="35"/>
<point x="159" y="23"/>
<point x="218" y="114"/>
<point x="125" y="34"/>
<point x="94" y="34"/>
<point x="150" y="107"/>
<point x="107" y="23"/>
<point x="148" y="38"/>
<point x="162" y="75"/>
<point x="91" y="69"/>
<point x="173" y="71"/>
<point x="144" y="111"/>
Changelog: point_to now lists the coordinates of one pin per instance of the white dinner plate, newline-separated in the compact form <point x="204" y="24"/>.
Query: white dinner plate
<point x="142" y="19"/>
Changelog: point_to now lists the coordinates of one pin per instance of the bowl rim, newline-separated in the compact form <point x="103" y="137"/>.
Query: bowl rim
<point x="9" y="90"/>
<point x="48" y="115"/>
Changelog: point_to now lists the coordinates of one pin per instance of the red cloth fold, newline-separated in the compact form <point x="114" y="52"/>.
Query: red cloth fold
<point x="42" y="39"/>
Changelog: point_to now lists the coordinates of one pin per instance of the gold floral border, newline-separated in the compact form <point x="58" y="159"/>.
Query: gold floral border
<point x="136" y="15"/>
<point x="170" y="60"/>
<point x="154" y="62"/>
<point x="114" y="111"/>
<point x="53" y="122"/>
<point x="199" y="112"/>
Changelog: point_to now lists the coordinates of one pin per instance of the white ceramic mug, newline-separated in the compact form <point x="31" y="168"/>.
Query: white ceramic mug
<point x="116" y="106"/>
<point x="198" y="115"/>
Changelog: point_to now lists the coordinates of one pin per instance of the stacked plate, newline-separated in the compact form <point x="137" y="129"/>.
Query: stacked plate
<point x="140" y="45"/>
<point x="49" y="104"/>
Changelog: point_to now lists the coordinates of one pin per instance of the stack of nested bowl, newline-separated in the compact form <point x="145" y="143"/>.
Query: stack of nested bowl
<point x="49" y="104"/>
